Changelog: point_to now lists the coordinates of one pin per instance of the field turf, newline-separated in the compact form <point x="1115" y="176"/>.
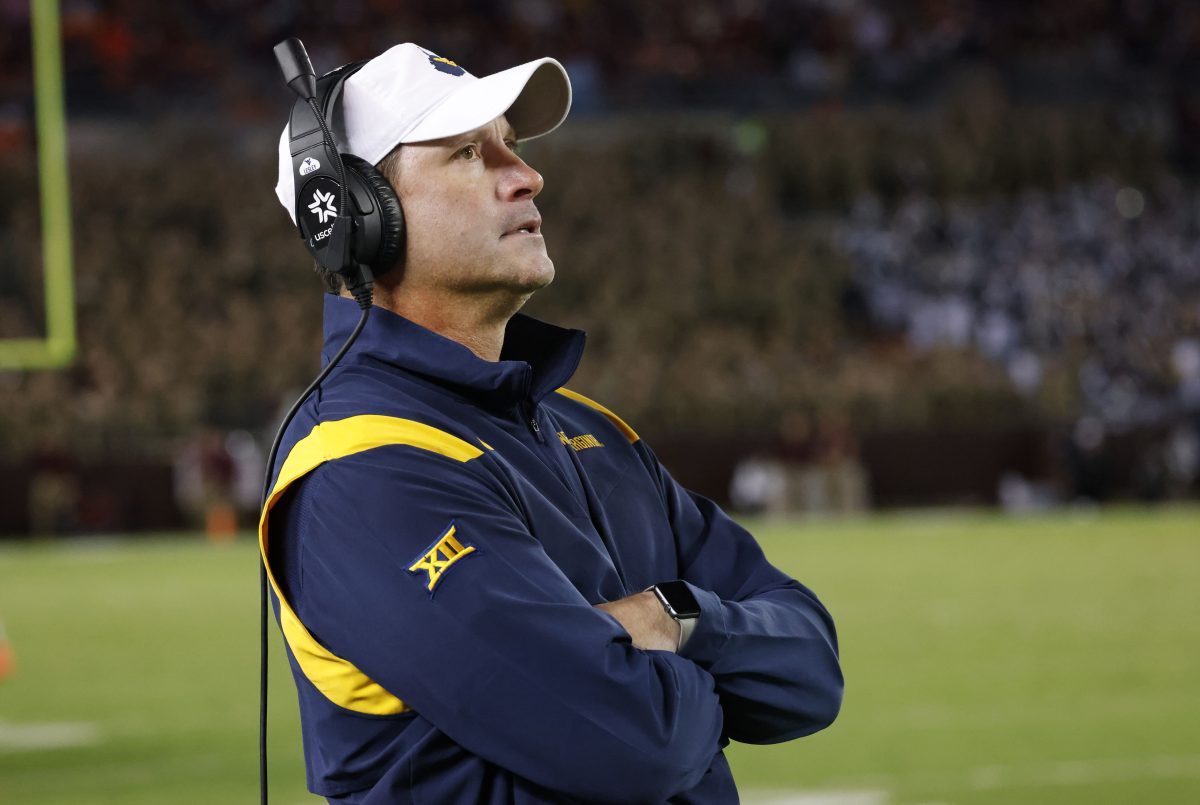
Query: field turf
<point x="1050" y="659"/>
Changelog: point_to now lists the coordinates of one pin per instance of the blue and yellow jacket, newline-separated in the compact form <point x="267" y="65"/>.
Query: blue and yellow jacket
<point x="439" y="529"/>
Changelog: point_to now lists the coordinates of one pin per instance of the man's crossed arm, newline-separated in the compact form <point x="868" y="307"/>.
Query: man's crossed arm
<point x="508" y="659"/>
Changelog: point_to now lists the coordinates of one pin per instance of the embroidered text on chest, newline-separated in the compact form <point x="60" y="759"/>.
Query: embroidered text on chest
<point x="578" y="443"/>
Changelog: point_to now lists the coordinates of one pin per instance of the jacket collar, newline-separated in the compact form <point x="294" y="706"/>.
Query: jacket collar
<point x="536" y="358"/>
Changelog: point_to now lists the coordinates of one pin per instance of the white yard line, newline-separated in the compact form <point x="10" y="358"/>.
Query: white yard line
<point x="1083" y="772"/>
<point x="827" y="797"/>
<point x="49" y="735"/>
<point x="1050" y="773"/>
<point x="933" y="718"/>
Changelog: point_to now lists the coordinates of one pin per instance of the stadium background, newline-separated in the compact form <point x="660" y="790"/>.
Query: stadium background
<point x="833" y="256"/>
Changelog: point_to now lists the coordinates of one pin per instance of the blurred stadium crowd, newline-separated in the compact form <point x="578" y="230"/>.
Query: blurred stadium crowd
<point x="1085" y="276"/>
<point x="801" y="275"/>
<point x="143" y="57"/>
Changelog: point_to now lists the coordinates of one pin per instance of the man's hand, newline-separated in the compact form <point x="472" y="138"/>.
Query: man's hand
<point x="643" y="616"/>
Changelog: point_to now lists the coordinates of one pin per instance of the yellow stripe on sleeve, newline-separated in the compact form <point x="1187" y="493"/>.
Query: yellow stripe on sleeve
<point x="337" y="678"/>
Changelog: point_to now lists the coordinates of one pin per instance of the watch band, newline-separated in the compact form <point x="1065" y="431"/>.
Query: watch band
<point x="686" y="627"/>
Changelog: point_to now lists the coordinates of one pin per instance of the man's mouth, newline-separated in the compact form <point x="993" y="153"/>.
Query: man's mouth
<point x="531" y="226"/>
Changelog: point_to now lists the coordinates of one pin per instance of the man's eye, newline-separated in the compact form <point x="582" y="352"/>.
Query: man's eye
<point x="469" y="152"/>
<point x="514" y="146"/>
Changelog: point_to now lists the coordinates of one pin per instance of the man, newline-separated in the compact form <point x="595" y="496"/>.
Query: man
<point x="461" y="548"/>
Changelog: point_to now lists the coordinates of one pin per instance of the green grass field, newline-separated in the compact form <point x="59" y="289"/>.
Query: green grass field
<point x="988" y="660"/>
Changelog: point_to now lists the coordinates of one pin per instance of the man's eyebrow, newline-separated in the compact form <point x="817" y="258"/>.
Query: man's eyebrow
<point x="509" y="134"/>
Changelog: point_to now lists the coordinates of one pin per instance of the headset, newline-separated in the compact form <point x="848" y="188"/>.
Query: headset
<point x="350" y="220"/>
<point x="356" y="241"/>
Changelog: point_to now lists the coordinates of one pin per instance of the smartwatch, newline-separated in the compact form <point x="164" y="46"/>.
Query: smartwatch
<point x="680" y="604"/>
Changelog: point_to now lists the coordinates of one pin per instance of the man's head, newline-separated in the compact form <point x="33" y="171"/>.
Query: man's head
<point x="408" y="107"/>
<point x="469" y="210"/>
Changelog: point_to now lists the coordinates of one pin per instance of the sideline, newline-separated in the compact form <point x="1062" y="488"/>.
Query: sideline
<point x="830" y="797"/>
<point x="36" y="737"/>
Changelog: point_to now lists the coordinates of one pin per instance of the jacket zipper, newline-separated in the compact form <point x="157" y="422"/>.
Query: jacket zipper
<point x="531" y="414"/>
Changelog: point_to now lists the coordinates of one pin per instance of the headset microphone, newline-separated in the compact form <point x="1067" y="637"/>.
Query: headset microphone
<point x="297" y="69"/>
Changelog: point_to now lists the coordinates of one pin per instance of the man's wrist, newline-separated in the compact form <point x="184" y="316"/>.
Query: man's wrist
<point x="643" y="617"/>
<point x="680" y="605"/>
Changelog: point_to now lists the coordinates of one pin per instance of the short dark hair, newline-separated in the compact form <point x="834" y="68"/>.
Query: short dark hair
<point x="389" y="166"/>
<point x="330" y="279"/>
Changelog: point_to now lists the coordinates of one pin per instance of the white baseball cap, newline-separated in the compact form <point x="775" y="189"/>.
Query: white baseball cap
<point x="408" y="94"/>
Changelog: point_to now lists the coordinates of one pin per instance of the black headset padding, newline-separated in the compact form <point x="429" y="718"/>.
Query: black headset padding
<point x="381" y="249"/>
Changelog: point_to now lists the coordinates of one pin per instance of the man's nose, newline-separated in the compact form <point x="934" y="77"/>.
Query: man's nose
<point x="520" y="181"/>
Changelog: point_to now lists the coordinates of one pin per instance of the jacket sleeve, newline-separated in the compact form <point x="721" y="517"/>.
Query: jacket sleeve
<point x="503" y="654"/>
<point x="765" y="638"/>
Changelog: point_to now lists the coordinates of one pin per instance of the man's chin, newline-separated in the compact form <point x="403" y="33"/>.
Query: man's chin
<point x="536" y="276"/>
<point x="518" y="279"/>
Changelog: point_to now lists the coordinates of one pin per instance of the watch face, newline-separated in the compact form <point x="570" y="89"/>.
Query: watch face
<point x="679" y="599"/>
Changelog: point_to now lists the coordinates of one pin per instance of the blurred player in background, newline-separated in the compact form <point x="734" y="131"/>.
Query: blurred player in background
<point x="8" y="662"/>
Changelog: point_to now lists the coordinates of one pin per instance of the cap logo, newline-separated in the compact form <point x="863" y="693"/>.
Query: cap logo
<point x="308" y="166"/>
<point x="445" y="65"/>
<point x="322" y="206"/>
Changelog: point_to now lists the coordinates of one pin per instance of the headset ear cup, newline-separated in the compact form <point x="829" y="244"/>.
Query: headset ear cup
<point x="390" y="217"/>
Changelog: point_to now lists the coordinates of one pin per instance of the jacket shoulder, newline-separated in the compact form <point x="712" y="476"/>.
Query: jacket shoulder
<point x="359" y="411"/>
<point x="572" y="402"/>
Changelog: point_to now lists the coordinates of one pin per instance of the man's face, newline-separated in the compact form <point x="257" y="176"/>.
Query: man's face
<point x="472" y="226"/>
